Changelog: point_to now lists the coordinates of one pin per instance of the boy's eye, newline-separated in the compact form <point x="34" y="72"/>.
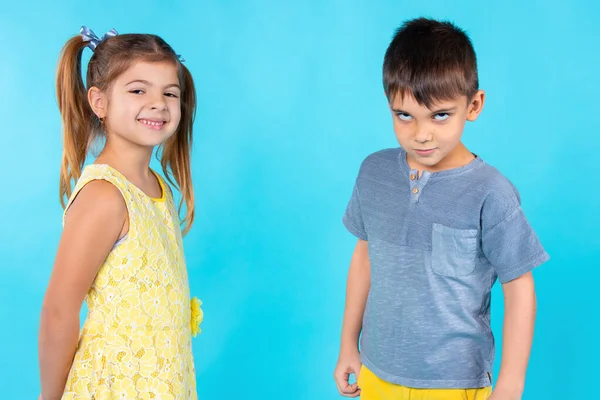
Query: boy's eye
<point x="403" y="117"/>
<point x="441" y="116"/>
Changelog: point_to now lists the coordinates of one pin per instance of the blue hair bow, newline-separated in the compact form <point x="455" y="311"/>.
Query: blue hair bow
<point x="89" y="36"/>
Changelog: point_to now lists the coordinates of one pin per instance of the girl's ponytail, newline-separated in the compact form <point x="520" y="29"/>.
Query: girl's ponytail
<point x="79" y="122"/>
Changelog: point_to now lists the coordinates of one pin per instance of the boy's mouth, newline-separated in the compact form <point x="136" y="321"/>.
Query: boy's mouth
<point x="424" y="152"/>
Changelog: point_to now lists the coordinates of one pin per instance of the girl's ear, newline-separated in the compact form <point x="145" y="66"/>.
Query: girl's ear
<point x="98" y="103"/>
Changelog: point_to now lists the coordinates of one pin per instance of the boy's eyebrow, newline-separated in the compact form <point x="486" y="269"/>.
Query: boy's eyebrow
<point x="444" y="110"/>
<point x="149" y="84"/>
<point x="440" y="111"/>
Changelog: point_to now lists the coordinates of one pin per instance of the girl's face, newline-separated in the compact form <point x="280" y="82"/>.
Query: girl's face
<point x="143" y="105"/>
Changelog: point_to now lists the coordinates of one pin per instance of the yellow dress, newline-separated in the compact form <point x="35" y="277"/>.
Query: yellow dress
<point x="136" y="340"/>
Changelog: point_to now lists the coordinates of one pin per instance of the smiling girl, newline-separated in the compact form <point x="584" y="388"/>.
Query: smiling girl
<point x="121" y="247"/>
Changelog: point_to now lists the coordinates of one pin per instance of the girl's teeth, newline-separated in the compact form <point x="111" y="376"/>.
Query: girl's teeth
<point x="151" y="123"/>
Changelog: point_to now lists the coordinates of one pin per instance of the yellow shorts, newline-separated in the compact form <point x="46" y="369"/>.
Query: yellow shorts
<point x="373" y="388"/>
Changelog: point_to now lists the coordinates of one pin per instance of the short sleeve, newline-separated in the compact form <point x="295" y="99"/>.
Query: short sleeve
<point x="353" y="219"/>
<point x="508" y="240"/>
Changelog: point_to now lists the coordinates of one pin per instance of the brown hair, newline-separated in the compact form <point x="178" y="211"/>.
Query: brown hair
<point x="81" y="126"/>
<point x="431" y="60"/>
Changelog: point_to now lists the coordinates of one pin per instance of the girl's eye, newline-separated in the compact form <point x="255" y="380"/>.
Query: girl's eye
<point x="441" y="116"/>
<point x="136" y="91"/>
<point x="404" y="117"/>
<point x="171" y="95"/>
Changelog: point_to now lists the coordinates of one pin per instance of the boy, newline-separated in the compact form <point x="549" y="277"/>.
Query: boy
<point x="436" y="227"/>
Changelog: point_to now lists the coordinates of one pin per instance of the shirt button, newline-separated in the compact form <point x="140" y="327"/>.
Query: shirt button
<point x="412" y="177"/>
<point x="415" y="190"/>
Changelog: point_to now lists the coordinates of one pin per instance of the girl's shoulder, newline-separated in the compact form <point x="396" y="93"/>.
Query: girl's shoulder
<point x="102" y="172"/>
<point x="99" y="182"/>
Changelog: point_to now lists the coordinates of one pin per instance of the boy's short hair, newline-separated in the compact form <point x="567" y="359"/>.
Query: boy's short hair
<point x="430" y="60"/>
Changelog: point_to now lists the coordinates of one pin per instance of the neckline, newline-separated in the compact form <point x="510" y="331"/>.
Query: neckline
<point x="160" y="199"/>
<point x="477" y="161"/>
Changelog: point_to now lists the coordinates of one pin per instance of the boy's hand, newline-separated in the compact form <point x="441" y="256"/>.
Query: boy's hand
<point x="503" y="394"/>
<point x="348" y="363"/>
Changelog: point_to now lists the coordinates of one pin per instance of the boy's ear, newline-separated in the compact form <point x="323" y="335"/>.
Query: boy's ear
<point x="476" y="105"/>
<point x="97" y="100"/>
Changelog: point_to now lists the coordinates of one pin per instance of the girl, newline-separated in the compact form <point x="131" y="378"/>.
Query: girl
<point x="121" y="247"/>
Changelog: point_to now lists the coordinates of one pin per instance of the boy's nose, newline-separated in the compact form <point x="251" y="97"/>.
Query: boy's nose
<point x="423" y="135"/>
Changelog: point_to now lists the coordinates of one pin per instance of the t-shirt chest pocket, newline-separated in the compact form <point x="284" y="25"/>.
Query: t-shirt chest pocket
<point x="453" y="251"/>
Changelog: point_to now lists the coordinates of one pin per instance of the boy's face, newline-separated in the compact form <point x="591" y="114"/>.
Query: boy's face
<point x="432" y="137"/>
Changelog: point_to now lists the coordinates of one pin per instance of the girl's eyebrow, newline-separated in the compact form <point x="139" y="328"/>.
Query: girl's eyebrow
<point x="149" y="84"/>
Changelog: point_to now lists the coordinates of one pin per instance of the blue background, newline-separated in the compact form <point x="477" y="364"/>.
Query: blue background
<point x="290" y="102"/>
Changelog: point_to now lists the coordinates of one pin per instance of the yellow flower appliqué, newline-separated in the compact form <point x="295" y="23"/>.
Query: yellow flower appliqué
<point x="197" y="316"/>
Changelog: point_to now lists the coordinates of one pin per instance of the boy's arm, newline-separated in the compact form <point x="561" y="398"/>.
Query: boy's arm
<point x="357" y="291"/>
<point x="519" y="317"/>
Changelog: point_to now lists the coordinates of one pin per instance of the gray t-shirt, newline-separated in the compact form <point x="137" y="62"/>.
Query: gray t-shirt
<point x="437" y="243"/>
